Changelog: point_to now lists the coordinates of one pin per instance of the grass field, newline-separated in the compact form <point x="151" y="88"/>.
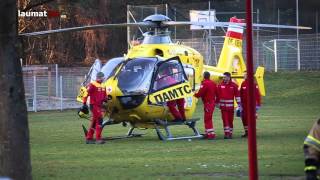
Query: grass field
<point x="291" y="106"/>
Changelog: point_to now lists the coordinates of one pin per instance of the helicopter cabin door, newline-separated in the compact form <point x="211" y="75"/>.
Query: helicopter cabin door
<point x="169" y="82"/>
<point x="190" y="73"/>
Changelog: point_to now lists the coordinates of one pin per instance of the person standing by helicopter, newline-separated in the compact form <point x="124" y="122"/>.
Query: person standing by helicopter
<point x="244" y="101"/>
<point x="208" y="93"/>
<point x="227" y="91"/>
<point x="98" y="95"/>
<point x="166" y="79"/>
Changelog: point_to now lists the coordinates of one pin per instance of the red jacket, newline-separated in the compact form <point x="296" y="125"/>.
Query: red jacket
<point x="207" y="91"/>
<point x="244" y="91"/>
<point x="165" y="81"/>
<point x="227" y="92"/>
<point x="97" y="93"/>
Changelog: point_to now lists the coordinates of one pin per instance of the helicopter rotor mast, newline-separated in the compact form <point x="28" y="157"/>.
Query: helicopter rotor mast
<point x="157" y="25"/>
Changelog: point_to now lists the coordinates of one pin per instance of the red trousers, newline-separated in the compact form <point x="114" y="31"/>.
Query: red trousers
<point x="178" y="115"/>
<point x="245" y="120"/>
<point x="95" y="124"/>
<point x="208" y="123"/>
<point x="227" y="118"/>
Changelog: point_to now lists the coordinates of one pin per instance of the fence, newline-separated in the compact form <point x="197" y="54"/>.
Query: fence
<point x="51" y="88"/>
<point x="288" y="53"/>
<point x="271" y="49"/>
<point x="275" y="53"/>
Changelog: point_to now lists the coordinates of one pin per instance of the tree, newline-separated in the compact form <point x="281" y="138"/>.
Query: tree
<point x="14" y="131"/>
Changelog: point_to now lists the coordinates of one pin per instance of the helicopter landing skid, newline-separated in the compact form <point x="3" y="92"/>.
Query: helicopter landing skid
<point x="130" y="134"/>
<point x="191" y="123"/>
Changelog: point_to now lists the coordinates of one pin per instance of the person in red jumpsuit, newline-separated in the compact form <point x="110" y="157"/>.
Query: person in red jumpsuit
<point x="244" y="101"/>
<point x="227" y="92"/>
<point x="208" y="93"/>
<point x="165" y="80"/>
<point x="97" y="95"/>
<point x="179" y="115"/>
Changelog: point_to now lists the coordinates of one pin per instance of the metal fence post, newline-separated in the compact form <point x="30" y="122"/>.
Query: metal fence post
<point x="166" y="9"/>
<point x="298" y="54"/>
<point x="275" y="56"/>
<point x="61" y="95"/>
<point x="128" y="28"/>
<point x="34" y="93"/>
<point x="210" y="34"/>
<point x="57" y="90"/>
<point x="297" y="24"/>
<point x="258" y="43"/>
<point x="278" y="23"/>
<point x="317" y="39"/>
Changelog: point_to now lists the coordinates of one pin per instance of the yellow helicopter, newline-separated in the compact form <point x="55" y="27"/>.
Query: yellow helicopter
<point x="135" y="93"/>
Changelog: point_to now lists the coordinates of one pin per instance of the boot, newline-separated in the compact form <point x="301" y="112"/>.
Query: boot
<point x="90" y="141"/>
<point x="100" y="141"/>
<point x="98" y="132"/>
<point x="245" y="134"/>
<point x="227" y="135"/>
<point x="211" y="136"/>
<point x="90" y="134"/>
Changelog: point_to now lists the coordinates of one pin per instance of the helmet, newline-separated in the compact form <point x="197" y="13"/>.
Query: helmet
<point x="83" y="112"/>
<point x="227" y="74"/>
<point x="206" y="75"/>
<point x="100" y="75"/>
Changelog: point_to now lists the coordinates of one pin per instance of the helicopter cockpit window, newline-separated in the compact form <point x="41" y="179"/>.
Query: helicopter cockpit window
<point x="168" y="74"/>
<point x="135" y="76"/>
<point x="110" y="67"/>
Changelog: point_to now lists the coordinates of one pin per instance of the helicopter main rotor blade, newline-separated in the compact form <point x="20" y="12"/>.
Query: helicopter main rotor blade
<point x="226" y="24"/>
<point x="187" y="23"/>
<point x="83" y="28"/>
<point x="280" y="26"/>
<point x="156" y="24"/>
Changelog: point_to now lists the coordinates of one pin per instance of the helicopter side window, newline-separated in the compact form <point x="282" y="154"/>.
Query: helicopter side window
<point x="190" y="72"/>
<point x="169" y="73"/>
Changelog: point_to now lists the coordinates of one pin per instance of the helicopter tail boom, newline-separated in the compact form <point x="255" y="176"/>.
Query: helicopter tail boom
<point x="259" y="77"/>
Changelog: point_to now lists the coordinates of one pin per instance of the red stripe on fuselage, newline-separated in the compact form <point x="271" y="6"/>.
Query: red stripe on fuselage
<point x="235" y="35"/>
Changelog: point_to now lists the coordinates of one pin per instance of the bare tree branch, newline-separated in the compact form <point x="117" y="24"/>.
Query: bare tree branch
<point x="36" y="4"/>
